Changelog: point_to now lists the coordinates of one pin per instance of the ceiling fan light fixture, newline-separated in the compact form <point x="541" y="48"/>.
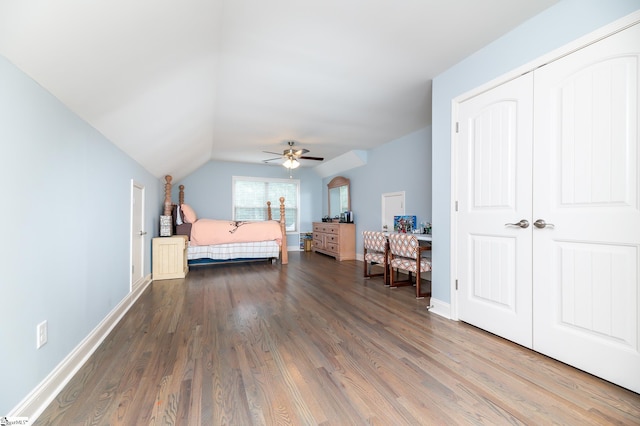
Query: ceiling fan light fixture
<point x="291" y="163"/>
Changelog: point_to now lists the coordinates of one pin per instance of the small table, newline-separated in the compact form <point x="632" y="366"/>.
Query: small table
<point x="169" y="257"/>
<point x="423" y="237"/>
<point x="419" y="237"/>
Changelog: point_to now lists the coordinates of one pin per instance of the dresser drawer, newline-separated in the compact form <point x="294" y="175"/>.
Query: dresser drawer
<point x="332" y="247"/>
<point x="327" y="228"/>
<point x="332" y="238"/>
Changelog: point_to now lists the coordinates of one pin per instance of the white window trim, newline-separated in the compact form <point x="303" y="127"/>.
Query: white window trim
<point x="275" y="204"/>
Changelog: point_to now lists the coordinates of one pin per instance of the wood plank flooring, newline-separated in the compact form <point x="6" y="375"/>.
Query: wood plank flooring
<point x="313" y="342"/>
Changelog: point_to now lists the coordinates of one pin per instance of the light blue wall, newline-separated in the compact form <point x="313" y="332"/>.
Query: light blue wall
<point x="551" y="29"/>
<point x="403" y="164"/>
<point x="400" y="165"/>
<point x="66" y="213"/>
<point x="208" y="189"/>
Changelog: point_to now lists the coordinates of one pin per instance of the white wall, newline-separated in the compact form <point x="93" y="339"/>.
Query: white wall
<point x="551" y="29"/>
<point x="65" y="251"/>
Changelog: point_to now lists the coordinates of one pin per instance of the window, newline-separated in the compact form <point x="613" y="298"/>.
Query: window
<point x="250" y="196"/>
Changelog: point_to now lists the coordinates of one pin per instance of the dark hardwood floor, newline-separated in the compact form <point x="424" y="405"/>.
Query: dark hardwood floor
<point x="313" y="342"/>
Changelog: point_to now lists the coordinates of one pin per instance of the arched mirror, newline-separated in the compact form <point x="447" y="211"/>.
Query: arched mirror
<point x="339" y="197"/>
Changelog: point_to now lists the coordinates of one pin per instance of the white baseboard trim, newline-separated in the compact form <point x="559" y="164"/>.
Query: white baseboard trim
<point x="441" y="308"/>
<point x="39" y="398"/>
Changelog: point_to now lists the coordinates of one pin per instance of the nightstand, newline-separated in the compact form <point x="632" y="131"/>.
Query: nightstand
<point x="169" y="256"/>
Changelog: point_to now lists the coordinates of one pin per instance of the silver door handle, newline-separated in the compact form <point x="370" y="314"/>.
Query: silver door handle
<point x="142" y="233"/>
<point x="524" y="223"/>
<point x="540" y="223"/>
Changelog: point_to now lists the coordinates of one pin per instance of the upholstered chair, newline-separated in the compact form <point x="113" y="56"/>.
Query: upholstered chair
<point x="375" y="253"/>
<point x="405" y="253"/>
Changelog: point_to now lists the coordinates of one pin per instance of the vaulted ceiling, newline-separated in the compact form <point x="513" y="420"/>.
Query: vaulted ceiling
<point x="175" y="83"/>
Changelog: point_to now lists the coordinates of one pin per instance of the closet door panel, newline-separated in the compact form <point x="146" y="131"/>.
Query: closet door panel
<point x="586" y="182"/>
<point x="494" y="189"/>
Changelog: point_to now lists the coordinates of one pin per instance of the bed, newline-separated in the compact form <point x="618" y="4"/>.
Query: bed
<point x="217" y="241"/>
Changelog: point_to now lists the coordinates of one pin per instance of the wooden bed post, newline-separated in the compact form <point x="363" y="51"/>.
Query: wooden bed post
<point x="284" y="254"/>
<point x="167" y="195"/>
<point x="181" y="195"/>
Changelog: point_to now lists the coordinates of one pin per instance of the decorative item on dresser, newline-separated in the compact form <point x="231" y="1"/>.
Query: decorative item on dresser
<point x="215" y="241"/>
<point x="339" y="198"/>
<point x="335" y="239"/>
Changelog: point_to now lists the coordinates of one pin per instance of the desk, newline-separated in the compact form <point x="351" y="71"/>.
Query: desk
<point x="419" y="237"/>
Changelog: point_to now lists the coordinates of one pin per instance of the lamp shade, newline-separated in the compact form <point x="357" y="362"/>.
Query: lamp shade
<point x="291" y="163"/>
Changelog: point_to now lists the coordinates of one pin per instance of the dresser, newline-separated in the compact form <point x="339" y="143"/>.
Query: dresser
<point x="169" y="256"/>
<point x="335" y="239"/>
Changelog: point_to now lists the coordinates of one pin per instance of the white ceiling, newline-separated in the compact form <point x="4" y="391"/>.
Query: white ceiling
<point x="175" y="83"/>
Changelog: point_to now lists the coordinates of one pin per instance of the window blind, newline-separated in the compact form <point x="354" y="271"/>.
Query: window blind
<point x="250" y="196"/>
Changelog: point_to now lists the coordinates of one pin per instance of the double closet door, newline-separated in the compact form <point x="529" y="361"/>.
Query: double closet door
<point x="548" y="222"/>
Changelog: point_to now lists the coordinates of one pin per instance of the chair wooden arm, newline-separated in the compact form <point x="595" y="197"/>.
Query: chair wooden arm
<point x="423" y="248"/>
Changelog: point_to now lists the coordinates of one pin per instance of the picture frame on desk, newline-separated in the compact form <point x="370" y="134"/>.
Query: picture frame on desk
<point x="404" y="223"/>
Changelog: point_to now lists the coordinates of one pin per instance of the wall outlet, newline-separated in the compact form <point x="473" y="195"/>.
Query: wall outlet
<point x="41" y="334"/>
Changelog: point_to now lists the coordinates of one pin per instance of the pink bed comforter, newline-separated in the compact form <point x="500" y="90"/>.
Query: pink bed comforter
<point x="205" y="232"/>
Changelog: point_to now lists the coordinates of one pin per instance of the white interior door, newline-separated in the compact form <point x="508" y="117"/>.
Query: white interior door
<point x="392" y="205"/>
<point x="586" y="183"/>
<point x="494" y="189"/>
<point x="137" y="233"/>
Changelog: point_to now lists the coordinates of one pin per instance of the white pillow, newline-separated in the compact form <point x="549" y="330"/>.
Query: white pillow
<point x="178" y="216"/>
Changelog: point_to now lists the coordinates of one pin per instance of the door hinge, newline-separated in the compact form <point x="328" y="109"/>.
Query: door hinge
<point x="457" y="127"/>
<point x="456" y="205"/>
<point x="133" y="269"/>
<point x="456" y="284"/>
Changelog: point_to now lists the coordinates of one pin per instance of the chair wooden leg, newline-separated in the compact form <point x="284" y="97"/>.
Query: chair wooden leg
<point x="365" y="264"/>
<point x="396" y="284"/>
<point x="368" y="274"/>
<point x="386" y="274"/>
<point x="420" y="294"/>
<point x="367" y="270"/>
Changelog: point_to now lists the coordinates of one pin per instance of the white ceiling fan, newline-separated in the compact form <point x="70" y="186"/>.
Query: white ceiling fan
<point x="291" y="156"/>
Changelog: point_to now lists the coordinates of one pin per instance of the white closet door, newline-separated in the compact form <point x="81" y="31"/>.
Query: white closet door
<point x="494" y="189"/>
<point x="586" y="183"/>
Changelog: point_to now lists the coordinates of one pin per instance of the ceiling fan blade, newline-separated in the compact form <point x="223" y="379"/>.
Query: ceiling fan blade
<point x="269" y="152"/>
<point x="311" y="158"/>
<point x="300" y="152"/>
<point x="272" y="159"/>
